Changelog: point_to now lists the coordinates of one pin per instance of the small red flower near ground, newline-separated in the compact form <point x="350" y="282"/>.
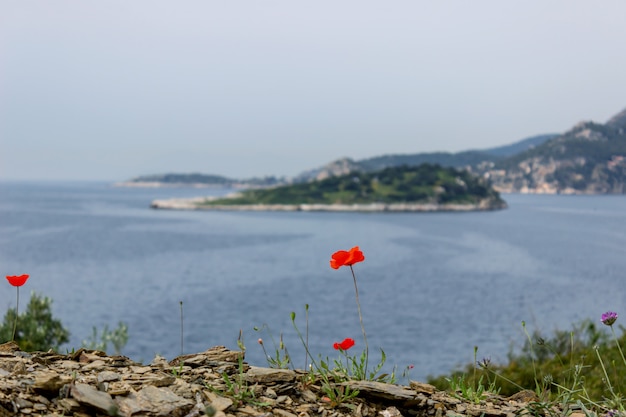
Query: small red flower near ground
<point x="17" y="280"/>
<point x="345" y="345"/>
<point x="346" y="258"/>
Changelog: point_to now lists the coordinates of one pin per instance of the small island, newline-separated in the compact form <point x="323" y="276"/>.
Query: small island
<point x="423" y="188"/>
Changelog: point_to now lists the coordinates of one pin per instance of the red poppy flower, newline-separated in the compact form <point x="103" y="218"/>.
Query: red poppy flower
<point x="17" y="280"/>
<point x="346" y="258"/>
<point x="345" y="345"/>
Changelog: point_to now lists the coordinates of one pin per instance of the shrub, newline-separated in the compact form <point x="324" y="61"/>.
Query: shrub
<point x="37" y="330"/>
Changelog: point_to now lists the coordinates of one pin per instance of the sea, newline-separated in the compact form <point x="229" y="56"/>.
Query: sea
<point x="432" y="288"/>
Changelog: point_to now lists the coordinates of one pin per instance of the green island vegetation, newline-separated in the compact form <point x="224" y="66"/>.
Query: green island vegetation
<point x="425" y="183"/>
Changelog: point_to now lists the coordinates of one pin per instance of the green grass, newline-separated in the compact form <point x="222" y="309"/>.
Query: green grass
<point x="581" y="367"/>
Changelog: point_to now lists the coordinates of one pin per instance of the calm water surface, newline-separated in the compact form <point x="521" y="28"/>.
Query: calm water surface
<point x="432" y="286"/>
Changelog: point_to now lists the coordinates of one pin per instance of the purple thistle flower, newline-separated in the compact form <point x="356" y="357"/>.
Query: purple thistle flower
<point x="485" y="362"/>
<point x="609" y="318"/>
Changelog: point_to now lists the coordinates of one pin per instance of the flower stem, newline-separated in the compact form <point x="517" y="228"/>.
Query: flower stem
<point x="606" y="376"/>
<point x="306" y="346"/>
<point x="306" y="319"/>
<point x="358" y="305"/>
<point x="618" y="346"/>
<point x="17" y="312"/>
<point x="181" y="328"/>
<point x="532" y="357"/>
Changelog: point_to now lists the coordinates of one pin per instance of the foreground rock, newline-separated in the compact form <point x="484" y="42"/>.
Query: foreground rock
<point x="214" y="382"/>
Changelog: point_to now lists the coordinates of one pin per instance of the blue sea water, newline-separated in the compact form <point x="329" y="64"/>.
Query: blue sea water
<point x="431" y="288"/>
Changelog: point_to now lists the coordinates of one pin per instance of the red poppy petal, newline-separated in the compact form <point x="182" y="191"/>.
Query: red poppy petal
<point x="336" y="346"/>
<point x="347" y="343"/>
<point x="339" y="259"/>
<point x="355" y="256"/>
<point x="17" y="280"/>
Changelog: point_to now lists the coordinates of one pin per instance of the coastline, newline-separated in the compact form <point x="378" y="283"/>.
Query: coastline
<point x="197" y="204"/>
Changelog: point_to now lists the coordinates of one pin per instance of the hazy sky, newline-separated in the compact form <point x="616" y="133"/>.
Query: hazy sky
<point x="114" y="89"/>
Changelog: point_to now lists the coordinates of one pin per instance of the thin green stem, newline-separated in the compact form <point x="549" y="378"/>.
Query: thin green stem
<point x="606" y="376"/>
<point x="306" y="346"/>
<point x="181" y="328"/>
<point x="17" y="312"/>
<point x="618" y="346"/>
<point x="532" y="357"/>
<point x="474" y="363"/>
<point x="306" y="319"/>
<point x="496" y="375"/>
<point x="358" y="305"/>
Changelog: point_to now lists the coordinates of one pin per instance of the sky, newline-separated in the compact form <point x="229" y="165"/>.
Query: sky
<point x="117" y="89"/>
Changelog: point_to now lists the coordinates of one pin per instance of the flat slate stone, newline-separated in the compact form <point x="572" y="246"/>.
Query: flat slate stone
<point x="153" y="401"/>
<point x="88" y="395"/>
<point x="265" y="375"/>
<point x="382" y="390"/>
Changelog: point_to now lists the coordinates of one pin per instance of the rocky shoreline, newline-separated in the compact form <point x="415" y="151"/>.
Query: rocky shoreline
<point x="217" y="383"/>
<point x="199" y="203"/>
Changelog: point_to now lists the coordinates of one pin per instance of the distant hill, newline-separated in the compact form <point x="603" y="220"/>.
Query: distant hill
<point x="455" y="160"/>
<point x="184" y="179"/>
<point x="590" y="158"/>
<point x="471" y="158"/>
<point x="196" y="180"/>
<point x="521" y="146"/>
<point x="618" y="121"/>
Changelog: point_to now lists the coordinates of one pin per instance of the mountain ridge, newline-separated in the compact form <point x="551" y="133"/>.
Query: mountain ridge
<point x="589" y="158"/>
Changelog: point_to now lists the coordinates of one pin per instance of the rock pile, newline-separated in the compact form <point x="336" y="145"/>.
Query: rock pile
<point x="216" y="382"/>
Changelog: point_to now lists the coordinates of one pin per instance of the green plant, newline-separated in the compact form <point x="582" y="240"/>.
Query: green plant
<point x="280" y="358"/>
<point x="569" y="370"/>
<point x="474" y="391"/>
<point x="117" y="337"/>
<point x="338" y="394"/>
<point x="332" y="373"/>
<point x="331" y="379"/>
<point x="539" y="389"/>
<point x="177" y="371"/>
<point x="38" y="330"/>
<point x="349" y="258"/>
<point x="237" y="387"/>
<point x="355" y="368"/>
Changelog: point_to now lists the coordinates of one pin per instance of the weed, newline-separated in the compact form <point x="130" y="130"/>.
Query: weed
<point x="570" y="371"/>
<point x="237" y="387"/>
<point x="177" y="371"/>
<point x="117" y="337"/>
<point x="281" y="358"/>
<point x="474" y="391"/>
